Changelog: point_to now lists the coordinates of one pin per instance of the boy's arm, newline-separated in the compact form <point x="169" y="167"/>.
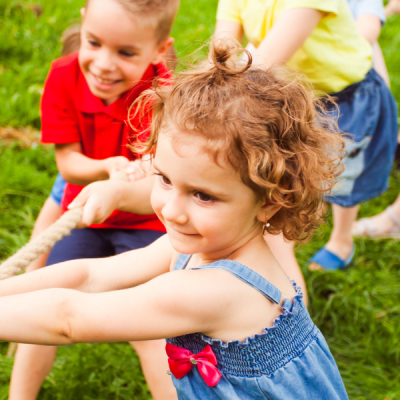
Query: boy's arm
<point x="79" y="169"/>
<point x="167" y="306"/>
<point x="288" y="34"/>
<point x="96" y="275"/>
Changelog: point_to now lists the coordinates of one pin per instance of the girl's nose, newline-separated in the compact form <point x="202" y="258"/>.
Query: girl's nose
<point x="174" y="210"/>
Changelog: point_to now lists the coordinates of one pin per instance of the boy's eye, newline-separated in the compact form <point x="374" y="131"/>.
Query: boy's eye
<point x="93" y="43"/>
<point x="126" y="53"/>
<point x="204" y="197"/>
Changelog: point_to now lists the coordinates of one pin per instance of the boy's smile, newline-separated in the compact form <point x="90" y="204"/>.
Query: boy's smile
<point x="114" y="56"/>
<point x="205" y="207"/>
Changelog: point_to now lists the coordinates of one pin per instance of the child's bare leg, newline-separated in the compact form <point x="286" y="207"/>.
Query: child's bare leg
<point x="382" y="223"/>
<point x="154" y="362"/>
<point x="341" y="240"/>
<point x="283" y="251"/>
<point x="31" y="366"/>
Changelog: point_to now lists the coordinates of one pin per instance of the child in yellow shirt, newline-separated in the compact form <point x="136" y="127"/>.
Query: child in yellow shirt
<point x="320" y="39"/>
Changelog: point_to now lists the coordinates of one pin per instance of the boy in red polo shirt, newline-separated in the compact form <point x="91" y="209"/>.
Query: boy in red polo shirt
<point x="84" y="109"/>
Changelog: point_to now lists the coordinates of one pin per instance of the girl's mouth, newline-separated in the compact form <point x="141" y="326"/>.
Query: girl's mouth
<point x="183" y="233"/>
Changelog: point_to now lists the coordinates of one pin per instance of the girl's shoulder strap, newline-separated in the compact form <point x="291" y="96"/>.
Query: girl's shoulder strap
<point x="252" y="278"/>
<point x="182" y="261"/>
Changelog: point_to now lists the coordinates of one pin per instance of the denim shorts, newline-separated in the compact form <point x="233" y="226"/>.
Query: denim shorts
<point x="368" y="113"/>
<point x="96" y="243"/>
<point x="57" y="192"/>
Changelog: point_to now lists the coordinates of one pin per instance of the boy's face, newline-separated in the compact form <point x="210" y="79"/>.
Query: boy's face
<point x="205" y="207"/>
<point x="115" y="51"/>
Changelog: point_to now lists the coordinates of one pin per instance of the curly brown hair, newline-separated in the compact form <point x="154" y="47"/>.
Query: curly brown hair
<point x="269" y="125"/>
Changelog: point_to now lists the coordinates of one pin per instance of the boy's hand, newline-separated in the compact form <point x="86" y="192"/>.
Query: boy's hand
<point x="138" y="169"/>
<point x="114" y="166"/>
<point x="99" y="199"/>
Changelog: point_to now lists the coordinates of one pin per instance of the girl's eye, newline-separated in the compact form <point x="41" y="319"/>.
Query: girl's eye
<point x="93" y="43"/>
<point x="204" y="197"/>
<point x="164" y="179"/>
<point x="127" y="54"/>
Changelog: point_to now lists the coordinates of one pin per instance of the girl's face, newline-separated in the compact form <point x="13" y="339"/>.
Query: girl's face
<point x="206" y="208"/>
<point x="115" y="51"/>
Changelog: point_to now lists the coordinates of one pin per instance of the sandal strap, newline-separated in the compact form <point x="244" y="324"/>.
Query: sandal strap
<point x="365" y="227"/>
<point x="394" y="217"/>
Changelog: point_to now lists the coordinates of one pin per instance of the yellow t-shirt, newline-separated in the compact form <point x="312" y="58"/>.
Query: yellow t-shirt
<point x="333" y="57"/>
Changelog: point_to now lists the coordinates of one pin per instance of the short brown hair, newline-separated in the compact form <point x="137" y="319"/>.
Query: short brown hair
<point x="71" y="40"/>
<point x="269" y="125"/>
<point x="158" y="14"/>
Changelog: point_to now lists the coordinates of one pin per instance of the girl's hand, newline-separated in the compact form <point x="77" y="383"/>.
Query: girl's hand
<point x="99" y="200"/>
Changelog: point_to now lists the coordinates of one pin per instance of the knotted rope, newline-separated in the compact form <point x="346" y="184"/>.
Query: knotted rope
<point x="41" y="243"/>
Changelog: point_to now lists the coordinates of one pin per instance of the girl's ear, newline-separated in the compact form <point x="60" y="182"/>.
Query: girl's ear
<point x="162" y="50"/>
<point x="83" y="11"/>
<point x="267" y="211"/>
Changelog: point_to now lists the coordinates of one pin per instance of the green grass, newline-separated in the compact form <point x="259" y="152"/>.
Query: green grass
<point x="357" y="310"/>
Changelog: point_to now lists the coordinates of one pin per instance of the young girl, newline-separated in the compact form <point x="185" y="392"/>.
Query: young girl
<point x="238" y="151"/>
<point x="320" y="39"/>
<point x="83" y="110"/>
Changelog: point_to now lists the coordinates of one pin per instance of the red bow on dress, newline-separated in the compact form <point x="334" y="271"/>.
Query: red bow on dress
<point x="181" y="362"/>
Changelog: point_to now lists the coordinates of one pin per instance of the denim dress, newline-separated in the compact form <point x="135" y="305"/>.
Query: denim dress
<point x="289" y="361"/>
<point x="368" y="112"/>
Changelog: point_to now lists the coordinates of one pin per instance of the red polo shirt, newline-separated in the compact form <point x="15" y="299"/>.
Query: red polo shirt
<point x="71" y="113"/>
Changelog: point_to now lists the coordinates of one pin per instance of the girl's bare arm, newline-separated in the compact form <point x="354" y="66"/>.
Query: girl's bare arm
<point x="379" y="63"/>
<point x="172" y="304"/>
<point x="228" y="29"/>
<point x="97" y="275"/>
<point x="287" y="36"/>
<point x="284" y="39"/>
<point x="369" y="26"/>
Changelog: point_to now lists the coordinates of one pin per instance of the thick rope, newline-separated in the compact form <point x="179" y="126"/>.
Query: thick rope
<point x="47" y="239"/>
<point x="41" y="243"/>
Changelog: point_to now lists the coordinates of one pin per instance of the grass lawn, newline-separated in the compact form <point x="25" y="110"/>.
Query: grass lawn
<point x="357" y="310"/>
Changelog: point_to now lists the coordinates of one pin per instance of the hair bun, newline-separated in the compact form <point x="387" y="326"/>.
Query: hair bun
<point x="224" y="54"/>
